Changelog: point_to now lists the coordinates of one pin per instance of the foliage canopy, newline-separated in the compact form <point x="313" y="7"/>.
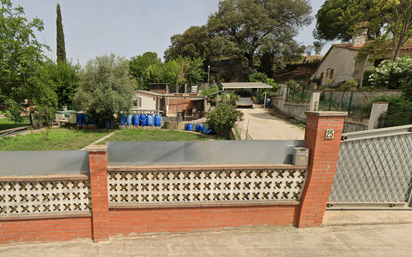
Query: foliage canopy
<point x="106" y="88"/>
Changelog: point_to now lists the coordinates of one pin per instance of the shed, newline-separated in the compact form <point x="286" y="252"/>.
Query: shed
<point x="147" y="101"/>
<point x="245" y="85"/>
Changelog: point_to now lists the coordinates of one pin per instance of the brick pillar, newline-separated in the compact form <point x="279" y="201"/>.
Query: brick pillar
<point x="98" y="183"/>
<point x="323" y="158"/>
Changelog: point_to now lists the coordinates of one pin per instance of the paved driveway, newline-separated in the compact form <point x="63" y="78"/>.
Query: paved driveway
<point x="263" y="126"/>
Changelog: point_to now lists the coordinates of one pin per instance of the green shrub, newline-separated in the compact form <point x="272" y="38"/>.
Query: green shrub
<point x="223" y="118"/>
<point x="399" y="111"/>
<point x="393" y="74"/>
<point x="366" y="75"/>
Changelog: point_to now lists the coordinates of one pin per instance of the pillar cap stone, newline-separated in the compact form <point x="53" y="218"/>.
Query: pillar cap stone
<point x="326" y="114"/>
<point x="97" y="148"/>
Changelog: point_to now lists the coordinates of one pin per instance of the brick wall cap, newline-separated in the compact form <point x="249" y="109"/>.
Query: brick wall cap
<point x="97" y="148"/>
<point x="327" y="114"/>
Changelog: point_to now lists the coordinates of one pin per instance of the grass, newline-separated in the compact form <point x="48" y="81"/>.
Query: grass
<point x="238" y="134"/>
<point x="8" y="124"/>
<point x="58" y="139"/>
<point x="127" y="135"/>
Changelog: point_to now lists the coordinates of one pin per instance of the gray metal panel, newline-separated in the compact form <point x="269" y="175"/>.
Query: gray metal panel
<point x="377" y="133"/>
<point x="27" y="163"/>
<point x="202" y="152"/>
<point x="374" y="170"/>
<point x="234" y="85"/>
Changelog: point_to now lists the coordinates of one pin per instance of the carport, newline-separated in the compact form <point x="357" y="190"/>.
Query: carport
<point x="246" y="85"/>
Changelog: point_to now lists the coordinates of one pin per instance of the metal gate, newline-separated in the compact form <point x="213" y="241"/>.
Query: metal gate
<point x="374" y="169"/>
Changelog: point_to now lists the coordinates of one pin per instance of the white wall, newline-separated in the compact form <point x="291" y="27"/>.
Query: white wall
<point x="341" y="60"/>
<point x="147" y="102"/>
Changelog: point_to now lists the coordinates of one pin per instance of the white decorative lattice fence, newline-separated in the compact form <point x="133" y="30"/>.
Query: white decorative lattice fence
<point x="206" y="186"/>
<point x="42" y="197"/>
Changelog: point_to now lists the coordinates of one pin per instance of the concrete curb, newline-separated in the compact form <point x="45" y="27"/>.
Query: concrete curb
<point x="98" y="141"/>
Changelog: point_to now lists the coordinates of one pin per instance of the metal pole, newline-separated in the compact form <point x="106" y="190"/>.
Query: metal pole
<point x="303" y="93"/>
<point x="208" y="75"/>
<point x="350" y="103"/>
<point x="330" y="101"/>
<point x="264" y="104"/>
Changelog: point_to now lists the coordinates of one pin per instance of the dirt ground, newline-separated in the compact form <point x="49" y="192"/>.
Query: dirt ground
<point x="264" y="126"/>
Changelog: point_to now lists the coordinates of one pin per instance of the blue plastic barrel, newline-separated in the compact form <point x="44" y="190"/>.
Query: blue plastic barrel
<point x="201" y="128"/>
<point x="122" y="119"/>
<point x="129" y="119"/>
<point x="197" y="127"/>
<point x="189" y="127"/>
<point x="136" y="120"/>
<point x="80" y="118"/>
<point x="158" y="120"/>
<point x="107" y="123"/>
<point x="149" y="120"/>
<point x="267" y="102"/>
<point x="142" y="119"/>
<point x="186" y="126"/>
<point x="95" y="120"/>
<point x="88" y="121"/>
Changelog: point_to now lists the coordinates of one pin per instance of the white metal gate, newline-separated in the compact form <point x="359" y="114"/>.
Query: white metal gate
<point x="374" y="169"/>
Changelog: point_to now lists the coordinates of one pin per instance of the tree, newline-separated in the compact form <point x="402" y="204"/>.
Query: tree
<point x="22" y="74"/>
<point x="61" y="48"/>
<point x="195" y="72"/>
<point x="65" y="76"/>
<point x="389" y="24"/>
<point x="106" y="88"/>
<point x="139" y="64"/>
<point x="246" y="27"/>
<point x="194" y="43"/>
<point x="183" y="70"/>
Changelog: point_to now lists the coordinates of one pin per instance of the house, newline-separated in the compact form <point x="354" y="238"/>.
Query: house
<point x="340" y="62"/>
<point x="146" y="101"/>
<point x="168" y="104"/>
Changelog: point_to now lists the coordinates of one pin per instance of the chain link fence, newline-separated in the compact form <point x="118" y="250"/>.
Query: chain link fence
<point x="338" y="102"/>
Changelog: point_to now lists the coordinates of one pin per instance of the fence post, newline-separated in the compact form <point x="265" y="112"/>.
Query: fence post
<point x="323" y="157"/>
<point x="378" y="108"/>
<point x="100" y="198"/>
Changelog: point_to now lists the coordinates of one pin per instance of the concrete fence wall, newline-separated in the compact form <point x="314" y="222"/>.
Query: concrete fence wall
<point x="298" y="109"/>
<point x="115" y="200"/>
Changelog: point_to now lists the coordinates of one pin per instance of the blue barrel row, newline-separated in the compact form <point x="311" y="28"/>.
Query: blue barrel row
<point x="141" y="120"/>
<point x="82" y="118"/>
<point x="198" y="128"/>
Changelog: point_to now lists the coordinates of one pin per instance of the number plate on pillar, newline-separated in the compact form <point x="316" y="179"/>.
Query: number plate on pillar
<point x="329" y="134"/>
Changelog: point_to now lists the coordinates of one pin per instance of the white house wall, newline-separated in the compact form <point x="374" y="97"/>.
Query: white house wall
<point x="147" y="102"/>
<point x="341" y="60"/>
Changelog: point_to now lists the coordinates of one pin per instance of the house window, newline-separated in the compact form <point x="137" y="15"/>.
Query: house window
<point x="377" y="62"/>
<point x="331" y="73"/>
<point x="137" y="101"/>
<point x="321" y="79"/>
<point x="327" y="74"/>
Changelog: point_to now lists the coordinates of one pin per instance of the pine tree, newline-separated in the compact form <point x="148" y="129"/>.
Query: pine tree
<point x="61" y="49"/>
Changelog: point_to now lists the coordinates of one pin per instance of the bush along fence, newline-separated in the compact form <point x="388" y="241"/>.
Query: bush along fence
<point x="117" y="198"/>
<point x="371" y="112"/>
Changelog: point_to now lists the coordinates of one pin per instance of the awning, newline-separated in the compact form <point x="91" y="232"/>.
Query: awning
<point x="236" y="85"/>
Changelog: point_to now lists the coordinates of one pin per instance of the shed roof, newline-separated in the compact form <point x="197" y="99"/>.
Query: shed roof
<point x="235" y="85"/>
<point x="148" y="93"/>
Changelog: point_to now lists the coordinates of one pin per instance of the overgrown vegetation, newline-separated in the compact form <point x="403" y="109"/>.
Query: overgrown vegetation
<point x="223" y="118"/>
<point x="106" y="88"/>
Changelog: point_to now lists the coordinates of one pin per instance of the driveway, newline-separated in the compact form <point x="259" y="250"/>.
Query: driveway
<point x="263" y="126"/>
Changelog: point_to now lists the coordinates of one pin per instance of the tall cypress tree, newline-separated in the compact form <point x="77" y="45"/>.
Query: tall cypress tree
<point x="61" y="48"/>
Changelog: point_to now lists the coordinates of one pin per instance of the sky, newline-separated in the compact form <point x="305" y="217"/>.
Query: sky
<point x="125" y="27"/>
